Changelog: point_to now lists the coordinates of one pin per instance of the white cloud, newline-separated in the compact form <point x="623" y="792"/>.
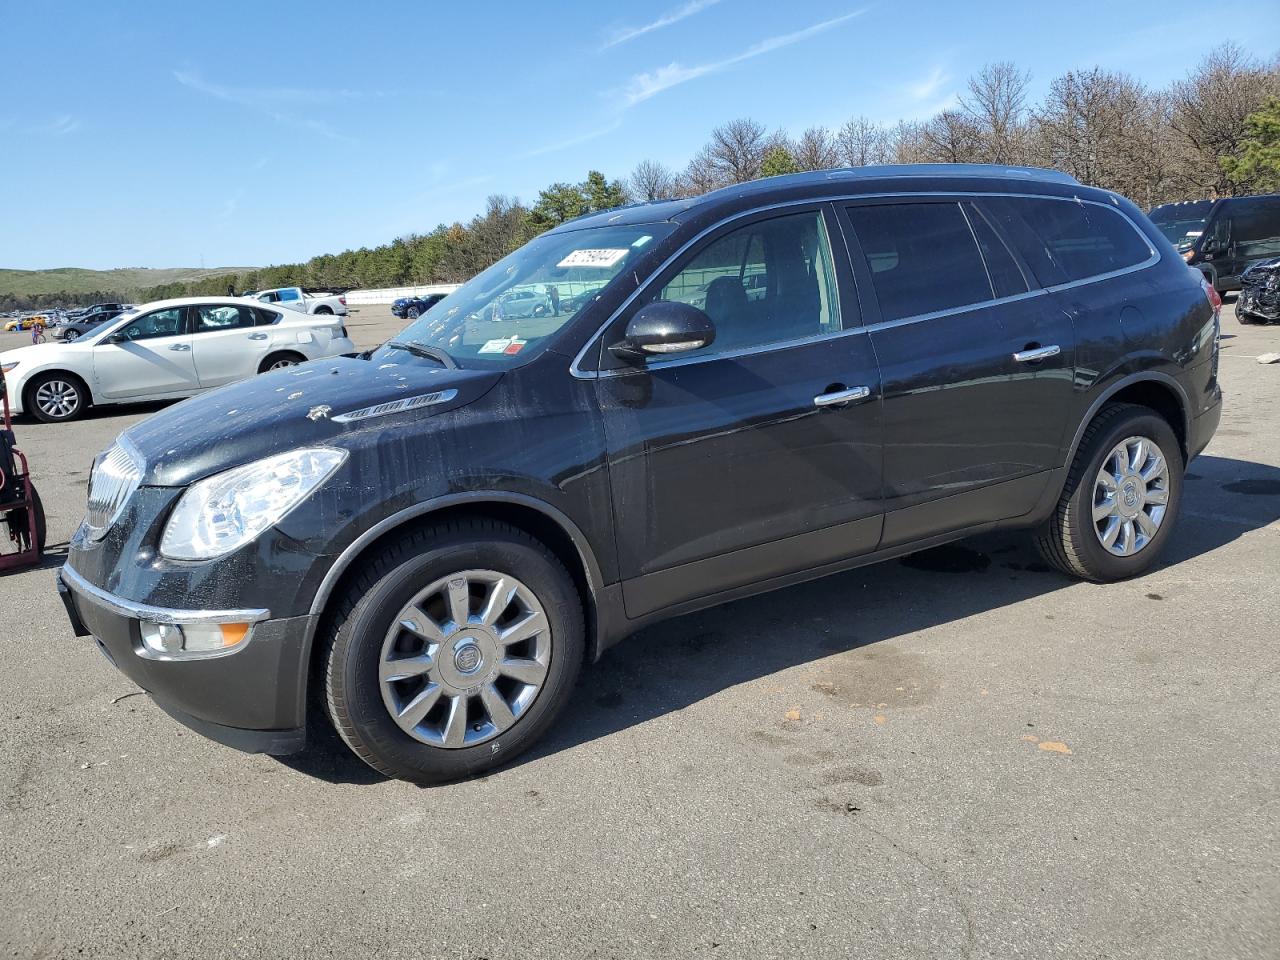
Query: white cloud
<point x="61" y="126"/>
<point x="650" y="84"/>
<point x="666" y="20"/>
<point x="269" y="101"/>
<point x="570" y="142"/>
<point x="928" y="86"/>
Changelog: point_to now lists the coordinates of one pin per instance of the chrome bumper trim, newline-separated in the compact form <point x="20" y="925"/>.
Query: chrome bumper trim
<point x="144" y="611"/>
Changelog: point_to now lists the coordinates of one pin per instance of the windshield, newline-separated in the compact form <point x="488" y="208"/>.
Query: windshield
<point x="503" y="314"/>
<point x="1182" y="232"/>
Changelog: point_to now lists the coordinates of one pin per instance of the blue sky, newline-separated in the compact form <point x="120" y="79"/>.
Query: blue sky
<point x="141" y="134"/>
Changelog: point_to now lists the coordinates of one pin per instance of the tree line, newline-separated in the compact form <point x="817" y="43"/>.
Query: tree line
<point x="1214" y="133"/>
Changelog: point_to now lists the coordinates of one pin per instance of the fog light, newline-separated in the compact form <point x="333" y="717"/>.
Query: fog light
<point x="172" y="640"/>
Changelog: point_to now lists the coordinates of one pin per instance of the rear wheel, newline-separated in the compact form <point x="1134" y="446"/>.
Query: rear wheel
<point x="55" y="397"/>
<point x="278" y="361"/>
<point x="1118" y="507"/>
<point x="453" y="651"/>
<point x="413" y="313"/>
<point x="323" y="312"/>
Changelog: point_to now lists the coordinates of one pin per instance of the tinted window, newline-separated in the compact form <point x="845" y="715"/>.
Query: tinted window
<point x="1255" y="227"/>
<point x="223" y="317"/>
<point x="161" y="323"/>
<point x="267" y="317"/>
<point x="767" y="282"/>
<point x="1006" y="276"/>
<point x="289" y="294"/>
<point x="1083" y="239"/>
<point x="923" y="257"/>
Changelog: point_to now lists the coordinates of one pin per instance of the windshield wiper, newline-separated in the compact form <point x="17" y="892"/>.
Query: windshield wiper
<point x="427" y="353"/>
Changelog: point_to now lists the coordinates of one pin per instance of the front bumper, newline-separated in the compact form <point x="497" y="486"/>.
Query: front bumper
<point x="251" y="698"/>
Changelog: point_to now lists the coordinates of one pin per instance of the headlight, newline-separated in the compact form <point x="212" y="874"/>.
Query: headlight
<point x="224" y="512"/>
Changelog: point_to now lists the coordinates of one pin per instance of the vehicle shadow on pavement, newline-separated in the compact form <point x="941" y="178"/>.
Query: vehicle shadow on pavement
<point x="672" y="665"/>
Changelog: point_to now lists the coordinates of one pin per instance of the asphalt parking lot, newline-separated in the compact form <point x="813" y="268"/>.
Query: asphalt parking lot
<point x="958" y="754"/>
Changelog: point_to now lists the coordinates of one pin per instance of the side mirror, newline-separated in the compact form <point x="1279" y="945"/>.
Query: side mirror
<point x="662" y="327"/>
<point x="118" y="337"/>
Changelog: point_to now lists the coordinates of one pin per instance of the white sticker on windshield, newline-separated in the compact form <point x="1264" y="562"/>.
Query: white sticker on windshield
<point x="495" y="346"/>
<point x="592" y="258"/>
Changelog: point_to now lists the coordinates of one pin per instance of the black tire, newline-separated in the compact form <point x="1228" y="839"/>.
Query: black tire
<point x="413" y="313"/>
<point x="282" y="358"/>
<point x="323" y="312"/>
<point x="1069" y="540"/>
<point x="363" y="613"/>
<point x="73" y="383"/>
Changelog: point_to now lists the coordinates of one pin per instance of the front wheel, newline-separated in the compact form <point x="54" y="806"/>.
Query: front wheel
<point x="1121" y="498"/>
<point x="413" y="313"/>
<point x="452" y="651"/>
<point x="56" y="397"/>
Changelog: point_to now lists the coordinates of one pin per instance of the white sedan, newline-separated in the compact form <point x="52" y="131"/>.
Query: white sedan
<point x="165" y="350"/>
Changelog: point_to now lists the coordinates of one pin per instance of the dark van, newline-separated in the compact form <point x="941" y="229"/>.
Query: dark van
<point x="752" y="388"/>
<point x="1222" y="237"/>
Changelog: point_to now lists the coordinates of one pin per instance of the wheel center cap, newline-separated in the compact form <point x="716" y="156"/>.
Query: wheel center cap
<point x="1131" y="496"/>
<point x="467" y="658"/>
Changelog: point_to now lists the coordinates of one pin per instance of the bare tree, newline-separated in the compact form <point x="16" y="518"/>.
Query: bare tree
<point x="650" y="180"/>
<point x="905" y="143"/>
<point x="1208" y="112"/>
<point x="952" y="137"/>
<point x="737" y="150"/>
<point x="996" y="108"/>
<point x="816" y="150"/>
<point x="862" y="142"/>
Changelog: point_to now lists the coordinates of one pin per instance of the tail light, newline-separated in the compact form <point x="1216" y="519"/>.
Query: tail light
<point x="342" y="300"/>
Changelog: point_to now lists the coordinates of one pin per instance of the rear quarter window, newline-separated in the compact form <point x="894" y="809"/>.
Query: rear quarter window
<point x="1082" y="240"/>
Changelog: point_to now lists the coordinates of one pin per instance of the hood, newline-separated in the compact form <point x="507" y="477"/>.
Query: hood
<point x="39" y="352"/>
<point x="1270" y="265"/>
<point x="290" y="408"/>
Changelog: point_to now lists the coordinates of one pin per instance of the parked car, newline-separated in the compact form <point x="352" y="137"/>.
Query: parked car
<point x="438" y="533"/>
<point x="1222" y="237"/>
<point x="295" y="298"/>
<point x="521" y="304"/>
<point x="1260" y="292"/>
<point x="167" y="349"/>
<point x="89" y="320"/>
<point x="413" y="307"/>
<point x="95" y="308"/>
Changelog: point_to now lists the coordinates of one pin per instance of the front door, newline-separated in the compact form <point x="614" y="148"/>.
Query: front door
<point x="153" y="357"/>
<point x="731" y="465"/>
<point x="977" y="379"/>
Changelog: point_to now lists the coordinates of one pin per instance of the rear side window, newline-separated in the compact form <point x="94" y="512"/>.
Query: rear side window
<point x="1255" y="227"/>
<point x="922" y="256"/>
<point x="1083" y="240"/>
<point x="289" y="294"/>
<point x="1006" y="276"/>
<point x="266" y="317"/>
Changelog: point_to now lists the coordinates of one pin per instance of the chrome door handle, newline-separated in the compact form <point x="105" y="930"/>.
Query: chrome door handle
<point x="257" y="336"/>
<point x="179" y="346"/>
<point x="1037" y="353"/>
<point x="837" y="397"/>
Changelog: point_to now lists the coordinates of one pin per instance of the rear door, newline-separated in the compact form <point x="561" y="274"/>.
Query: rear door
<point x="227" y="342"/>
<point x="977" y="367"/>
<point x="154" y="358"/>
<point x="727" y="465"/>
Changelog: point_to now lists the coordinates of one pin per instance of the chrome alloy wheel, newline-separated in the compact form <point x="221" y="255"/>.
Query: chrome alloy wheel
<point x="1130" y="496"/>
<point x="465" y="658"/>
<point x="57" y="398"/>
<point x="281" y="364"/>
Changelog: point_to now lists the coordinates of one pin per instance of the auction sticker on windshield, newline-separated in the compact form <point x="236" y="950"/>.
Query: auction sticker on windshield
<point x="592" y="258"/>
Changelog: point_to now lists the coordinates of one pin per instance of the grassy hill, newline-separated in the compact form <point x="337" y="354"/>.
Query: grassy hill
<point x="75" y="280"/>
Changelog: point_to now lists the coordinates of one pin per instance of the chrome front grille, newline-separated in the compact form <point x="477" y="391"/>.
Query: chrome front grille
<point x="116" y="475"/>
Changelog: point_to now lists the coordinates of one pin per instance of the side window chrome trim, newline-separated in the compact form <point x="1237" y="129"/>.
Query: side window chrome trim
<point x="576" y="370"/>
<point x="727" y="355"/>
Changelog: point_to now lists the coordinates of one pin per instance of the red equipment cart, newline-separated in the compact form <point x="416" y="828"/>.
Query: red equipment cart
<point x="21" y="512"/>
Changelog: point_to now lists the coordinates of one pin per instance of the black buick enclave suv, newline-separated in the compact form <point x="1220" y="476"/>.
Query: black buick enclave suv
<point x="766" y="384"/>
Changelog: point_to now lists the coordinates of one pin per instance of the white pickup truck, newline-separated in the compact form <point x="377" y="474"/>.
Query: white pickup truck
<point x="295" y="298"/>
